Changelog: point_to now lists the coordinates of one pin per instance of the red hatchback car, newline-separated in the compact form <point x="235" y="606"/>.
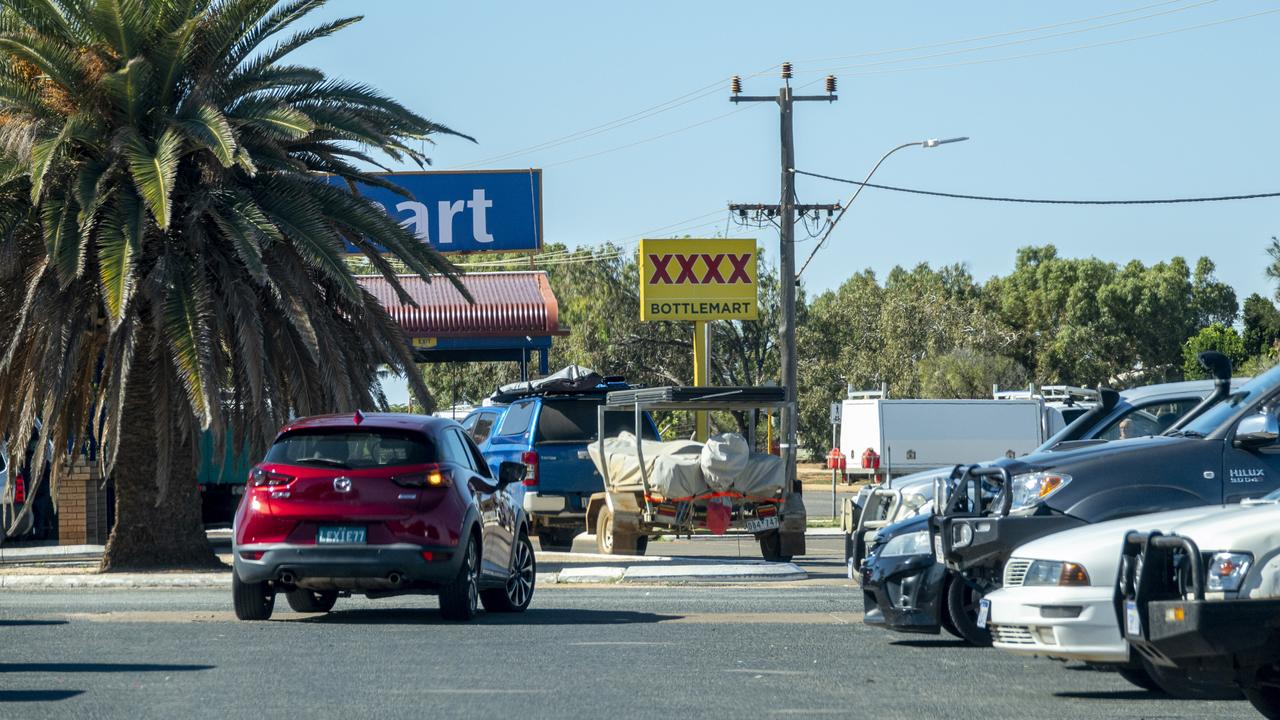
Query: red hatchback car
<point x="380" y="504"/>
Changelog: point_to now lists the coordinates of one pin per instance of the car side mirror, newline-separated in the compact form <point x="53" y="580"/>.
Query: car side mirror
<point x="1258" y="430"/>
<point x="510" y="473"/>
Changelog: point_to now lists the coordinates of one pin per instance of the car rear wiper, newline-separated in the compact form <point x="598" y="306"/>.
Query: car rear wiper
<point x="323" y="461"/>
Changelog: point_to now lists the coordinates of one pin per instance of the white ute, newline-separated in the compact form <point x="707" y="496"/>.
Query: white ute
<point x="1058" y="600"/>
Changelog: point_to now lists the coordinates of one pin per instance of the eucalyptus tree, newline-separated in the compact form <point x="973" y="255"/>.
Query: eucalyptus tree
<point x="171" y="241"/>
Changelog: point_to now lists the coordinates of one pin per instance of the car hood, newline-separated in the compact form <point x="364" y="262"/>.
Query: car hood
<point x="1253" y="528"/>
<point x="912" y="524"/>
<point x="1097" y="546"/>
<point x="920" y="478"/>
<point x="1048" y="459"/>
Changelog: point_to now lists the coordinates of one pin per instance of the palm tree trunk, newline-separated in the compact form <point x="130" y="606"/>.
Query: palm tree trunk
<point x="147" y="535"/>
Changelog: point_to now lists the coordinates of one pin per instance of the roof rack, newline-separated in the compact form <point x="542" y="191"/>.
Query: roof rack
<point x="1068" y="394"/>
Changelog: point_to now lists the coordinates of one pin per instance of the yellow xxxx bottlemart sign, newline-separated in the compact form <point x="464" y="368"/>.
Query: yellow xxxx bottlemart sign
<point x="698" y="279"/>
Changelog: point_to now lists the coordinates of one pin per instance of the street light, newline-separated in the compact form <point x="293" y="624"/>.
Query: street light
<point x="932" y="142"/>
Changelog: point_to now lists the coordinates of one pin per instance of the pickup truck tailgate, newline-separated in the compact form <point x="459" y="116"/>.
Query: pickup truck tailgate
<point x="566" y="426"/>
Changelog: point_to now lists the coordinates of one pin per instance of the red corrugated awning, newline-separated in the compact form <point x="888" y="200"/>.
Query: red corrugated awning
<point x="506" y="304"/>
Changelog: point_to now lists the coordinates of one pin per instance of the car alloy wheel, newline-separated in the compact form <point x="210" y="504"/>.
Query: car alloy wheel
<point x="520" y="584"/>
<point x="515" y="594"/>
<point x="473" y="572"/>
<point x="460" y="599"/>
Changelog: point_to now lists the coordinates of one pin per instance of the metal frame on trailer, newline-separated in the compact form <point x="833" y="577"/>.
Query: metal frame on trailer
<point x="633" y="513"/>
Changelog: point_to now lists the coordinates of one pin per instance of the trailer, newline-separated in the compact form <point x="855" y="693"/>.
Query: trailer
<point x="886" y="438"/>
<point x="631" y="509"/>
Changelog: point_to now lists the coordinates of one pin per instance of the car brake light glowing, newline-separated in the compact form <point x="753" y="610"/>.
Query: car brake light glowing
<point x="530" y="460"/>
<point x="260" y="478"/>
<point x="19" y="488"/>
<point x="428" y="555"/>
<point x="432" y="477"/>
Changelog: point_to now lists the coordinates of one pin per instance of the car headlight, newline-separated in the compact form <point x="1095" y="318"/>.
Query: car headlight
<point x="1052" y="572"/>
<point x="1030" y="488"/>
<point x="1227" y="570"/>
<point x="916" y="543"/>
<point x="914" y="501"/>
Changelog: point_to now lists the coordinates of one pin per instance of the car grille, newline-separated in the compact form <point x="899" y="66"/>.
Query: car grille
<point x="1012" y="634"/>
<point x="1015" y="571"/>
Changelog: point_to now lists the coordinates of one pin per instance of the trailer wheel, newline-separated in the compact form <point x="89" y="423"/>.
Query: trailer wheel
<point x="610" y="542"/>
<point x="771" y="546"/>
<point x="962" y="607"/>
<point x="604" y="530"/>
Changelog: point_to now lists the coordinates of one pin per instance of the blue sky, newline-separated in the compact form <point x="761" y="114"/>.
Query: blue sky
<point x="1182" y="114"/>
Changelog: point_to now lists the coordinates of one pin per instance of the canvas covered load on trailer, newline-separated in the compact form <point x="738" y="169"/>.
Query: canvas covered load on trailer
<point x="685" y="487"/>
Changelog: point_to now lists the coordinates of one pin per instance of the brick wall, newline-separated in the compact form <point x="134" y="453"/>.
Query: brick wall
<point x="82" y="505"/>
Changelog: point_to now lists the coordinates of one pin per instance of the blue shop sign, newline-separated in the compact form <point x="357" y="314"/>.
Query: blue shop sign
<point x="466" y="212"/>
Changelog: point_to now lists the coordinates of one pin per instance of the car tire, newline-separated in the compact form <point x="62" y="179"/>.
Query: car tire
<point x="944" y="620"/>
<point x="312" y="601"/>
<point x="252" y="600"/>
<point x="962" y="606"/>
<point x="516" y="594"/>
<point x="1265" y="699"/>
<point x="1178" y="684"/>
<point x="771" y="546"/>
<point x="460" y="599"/>
<point x="556" y="539"/>
<point x="1139" y="677"/>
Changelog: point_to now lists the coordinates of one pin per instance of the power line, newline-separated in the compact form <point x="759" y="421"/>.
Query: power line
<point x="1057" y="51"/>
<point x="992" y="36"/>
<point x="1038" y="201"/>
<point x="1022" y="41"/>
<point x="710" y="89"/>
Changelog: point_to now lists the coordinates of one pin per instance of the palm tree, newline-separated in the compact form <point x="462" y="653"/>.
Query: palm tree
<point x="171" y="250"/>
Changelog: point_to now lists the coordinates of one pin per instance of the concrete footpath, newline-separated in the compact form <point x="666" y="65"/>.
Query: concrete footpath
<point x="53" y="567"/>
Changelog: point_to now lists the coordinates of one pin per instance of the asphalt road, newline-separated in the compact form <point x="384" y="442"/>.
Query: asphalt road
<point x="621" y="652"/>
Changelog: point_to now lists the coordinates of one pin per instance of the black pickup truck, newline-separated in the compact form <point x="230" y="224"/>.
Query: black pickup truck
<point x="1220" y="457"/>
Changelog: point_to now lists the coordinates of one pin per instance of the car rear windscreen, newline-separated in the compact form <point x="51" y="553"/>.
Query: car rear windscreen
<point x="569" y="421"/>
<point x="351" y="449"/>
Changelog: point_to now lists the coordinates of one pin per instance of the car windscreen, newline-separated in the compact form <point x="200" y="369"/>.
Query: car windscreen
<point x="351" y="449"/>
<point x="575" y="421"/>
<point x="1261" y="386"/>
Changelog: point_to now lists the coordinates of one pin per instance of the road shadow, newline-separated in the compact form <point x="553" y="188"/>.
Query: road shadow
<point x="22" y="667"/>
<point x="533" y="616"/>
<point x="30" y="623"/>
<point x="931" y="644"/>
<point x="1111" y="695"/>
<point x="12" y="696"/>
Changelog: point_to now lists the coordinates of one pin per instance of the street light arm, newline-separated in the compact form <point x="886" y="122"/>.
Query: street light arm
<point x="853" y="197"/>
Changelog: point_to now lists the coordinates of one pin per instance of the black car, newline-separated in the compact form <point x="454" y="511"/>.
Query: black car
<point x="1204" y="462"/>
<point x="905" y="589"/>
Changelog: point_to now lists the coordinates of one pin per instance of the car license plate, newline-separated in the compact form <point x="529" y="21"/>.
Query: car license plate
<point x="984" y="610"/>
<point x="1132" y="621"/>
<point x="937" y="549"/>
<point x="340" y="535"/>
<point x="761" y="524"/>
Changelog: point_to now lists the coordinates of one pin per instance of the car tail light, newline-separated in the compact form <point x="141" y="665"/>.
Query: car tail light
<point x="19" y="488"/>
<point x="530" y="460"/>
<point x="252" y="554"/>
<point x="430" y="477"/>
<point x="265" y="478"/>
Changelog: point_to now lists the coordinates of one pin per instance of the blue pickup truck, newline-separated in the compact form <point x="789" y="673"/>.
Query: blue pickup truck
<point x="547" y="425"/>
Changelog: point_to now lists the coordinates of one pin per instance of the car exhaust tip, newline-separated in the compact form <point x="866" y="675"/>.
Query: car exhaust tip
<point x="287" y="577"/>
<point x="395" y="578"/>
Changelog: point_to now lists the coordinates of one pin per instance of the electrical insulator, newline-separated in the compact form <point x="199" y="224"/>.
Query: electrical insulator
<point x="736" y="85"/>
<point x="831" y="84"/>
<point x="786" y="71"/>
